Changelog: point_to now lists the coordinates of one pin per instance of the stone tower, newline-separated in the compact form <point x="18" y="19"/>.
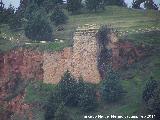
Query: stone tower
<point x="80" y="60"/>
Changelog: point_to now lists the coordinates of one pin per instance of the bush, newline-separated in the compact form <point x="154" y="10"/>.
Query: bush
<point x="111" y="88"/>
<point x="58" y="16"/>
<point x="39" y="29"/>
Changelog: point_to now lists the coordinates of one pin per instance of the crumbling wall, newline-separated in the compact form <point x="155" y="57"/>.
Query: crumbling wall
<point x="55" y="64"/>
<point x="81" y="60"/>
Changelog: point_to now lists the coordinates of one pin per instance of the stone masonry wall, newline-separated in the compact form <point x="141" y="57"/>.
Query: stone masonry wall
<point x="81" y="60"/>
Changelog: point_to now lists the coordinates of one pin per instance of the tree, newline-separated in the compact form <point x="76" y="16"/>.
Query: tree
<point x="151" y="97"/>
<point x="115" y="2"/>
<point x="62" y="113"/>
<point x="94" y="4"/>
<point x="39" y="28"/>
<point x="58" y="16"/>
<point x="154" y="103"/>
<point x="38" y="2"/>
<point x="87" y="99"/>
<point x="6" y="14"/>
<point x="15" y="22"/>
<point x="148" y="92"/>
<point x="31" y="11"/>
<point x="67" y="89"/>
<point x="111" y="88"/>
<point x="74" y="5"/>
<point x="136" y="4"/>
<point x="149" y="4"/>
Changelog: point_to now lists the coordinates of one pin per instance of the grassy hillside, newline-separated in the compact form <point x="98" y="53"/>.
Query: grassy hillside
<point x="138" y="26"/>
<point x="129" y="22"/>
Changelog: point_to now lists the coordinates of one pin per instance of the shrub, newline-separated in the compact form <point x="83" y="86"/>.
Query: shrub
<point x="111" y="88"/>
<point x="39" y="29"/>
<point x="58" y="16"/>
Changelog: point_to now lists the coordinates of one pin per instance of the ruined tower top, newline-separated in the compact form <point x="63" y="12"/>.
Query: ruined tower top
<point x="87" y="29"/>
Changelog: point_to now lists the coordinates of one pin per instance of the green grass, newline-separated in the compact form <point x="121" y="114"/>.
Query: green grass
<point x="38" y="92"/>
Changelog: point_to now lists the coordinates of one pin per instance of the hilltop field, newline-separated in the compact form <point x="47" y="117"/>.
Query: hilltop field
<point x="137" y="26"/>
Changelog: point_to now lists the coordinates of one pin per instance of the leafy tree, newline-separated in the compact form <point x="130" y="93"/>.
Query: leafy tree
<point x="111" y="88"/>
<point x="87" y="100"/>
<point x="74" y="5"/>
<point x="58" y="16"/>
<point x="115" y="2"/>
<point x="39" y="28"/>
<point x="94" y="4"/>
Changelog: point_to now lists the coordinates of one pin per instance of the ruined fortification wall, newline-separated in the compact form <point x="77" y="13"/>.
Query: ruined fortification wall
<point x="81" y="60"/>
